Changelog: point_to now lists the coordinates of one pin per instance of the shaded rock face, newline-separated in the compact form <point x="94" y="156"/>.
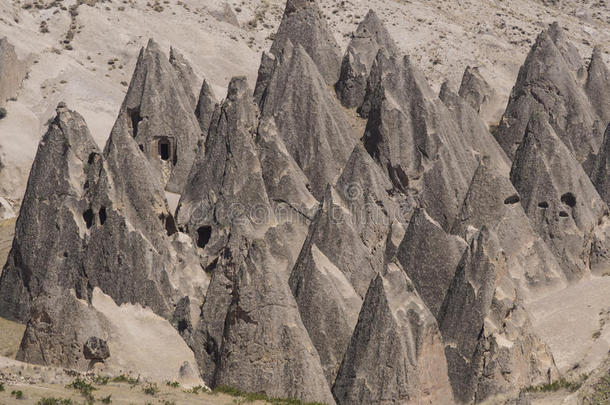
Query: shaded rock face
<point x="492" y="201"/>
<point x="159" y="112"/>
<point x="96" y="349"/>
<point x="109" y="229"/>
<point x="415" y="139"/>
<point x="478" y="93"/>
<point x="548" y="82"/>
<point x="303" y="24"/>
<point x="370" y="36"/>
<point x="12" y="71"/>
<point x="489" y="345"/>
<point x="185" y="73"/>
<point x="430" y="256"/>
<point x="601" y="171"/>
<point x="396" y="353"/>
<point x="308" y="119"/>
<point x="557" y="196"/>
<point x="345" y="248"/>
<point x="251" y="302"/>
<point x="598" y="85"/>
<point x="226" y="191"/>
<point x="204" y="111"/>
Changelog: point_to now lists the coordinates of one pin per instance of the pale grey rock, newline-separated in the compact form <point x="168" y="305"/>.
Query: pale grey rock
<point x="492" y="201"/>
<point x="430" y="257"/>
<point x="548" y="82"/>
<point x="396" y="352"/>
<point x="265" y="73"/>
<point x="557" y="196"/>
<point x="598" y="85"/>
<point x="480" y="95"/>
<point x="370" y="36"/>
<point x="226" y="14"/>
<point x="160" y="116"/>
<point x="12" y="71"/>
<point x="478" y="138"/>
<point x="309" y="120"/>
<point x="415" y="139"/>
<point x="6" y="209"/>
<point x="303" y="24"/>
<point x="226" y="191"/>
<point x="489" y="344"/>
<point x="206" y="104"/>
<point x="185" y="73"/>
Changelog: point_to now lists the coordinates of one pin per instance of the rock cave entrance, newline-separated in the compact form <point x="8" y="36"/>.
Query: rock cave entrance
<point x="203" y="236"/>
<point x="164" y="149"/>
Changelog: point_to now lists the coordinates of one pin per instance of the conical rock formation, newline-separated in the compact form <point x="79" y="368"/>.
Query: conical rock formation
<point x="479" y="94"/>
<point x="598" y="85"/>
<point x="557" y="196"/>
<point x="185" y="73"/>
<point x="430" y="257"/>
<point x="308" y="119"/>
<point x="488" y="341"/>
<point x="370" y="36"/>
<point x="12" y="71"/>
<point x="492" y="201"/>
<point x="396" y="352"/>
<point x="206" y="104"/>
<point x="303" y="24"/>
<point x="601" y="171"/>
<point x="160" y="116"/>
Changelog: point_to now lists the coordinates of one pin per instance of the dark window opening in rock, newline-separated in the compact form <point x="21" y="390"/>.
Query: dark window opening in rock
<point x="92" y="157"/>
<point x="212" y="266"/>
<point x="141" y="147"/>
<point x="169" y="223"/>
<point x="102" y="215"/>
<point x="513" y="199"/>
<point x="569" y="199"/>
<point x="203" y="236"/>
<point x="88" y="217"/>
<point x="182" y="325"/>
<point x="135" y="120"/>
<point x="543" y="204"/>
<point x="86" y="185"/>
<point x="164" y="149"/>
<point x="563" y="214"/>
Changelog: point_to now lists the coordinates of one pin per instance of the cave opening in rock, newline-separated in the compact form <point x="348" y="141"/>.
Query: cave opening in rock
<point x="203" y="235"/>
<point x="543" y="204"/>
<point x="569" y="199"/>
<point x="164" y="149"/>
<point x="88" y="217"/>
<point x="513" y="199"/>
<point x="102" y="215"/>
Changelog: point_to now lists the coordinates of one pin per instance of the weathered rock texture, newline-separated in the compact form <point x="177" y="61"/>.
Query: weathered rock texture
<point x="308" y="119"/>
<point x="598" y="85"/>
<point x="548" y="81"/>
<point x="160" y="115"/>
<point x="488" y="341"/>
<point x="479" y="94"/>
<point x="185" y="73"/>
<point x="415" y="139"/>
<point x="366" y="41"/>
<point x="206" y="104"/>
<point x="303" y="24"/>
<point x="557" y="196"/>
<point x="12" y="71"/>
<point x="396" y="352"/>
<point x="430" y="256"/>
<point x="601" y="170"/>
<point x="492" y="201"/>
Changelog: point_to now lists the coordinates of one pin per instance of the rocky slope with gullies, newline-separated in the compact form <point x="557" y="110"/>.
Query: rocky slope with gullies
<point x="332" y="231"/>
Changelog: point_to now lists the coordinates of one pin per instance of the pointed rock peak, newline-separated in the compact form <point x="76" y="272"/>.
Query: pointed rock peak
<point x="12" y="71"/>
<point x="362" y="171"/>
<point x="566" y="48"/>
<point x="304" y="25"/>
<point x="185" y="73"/>
<point x="477" y="92"/>
<point x="205" y="107"/>
<point x="295" y="92"/>
<point x="557" y="195"/>
<point x="265" y="71"/>
<point x="369" y="38"/>
<point x="238" y="88"/>
<point x="598" y="85"/>
<point x="430" y="256"/>
<point x="601" y="173"/>
<point x="396" y="352"/>
<point x="160" y="113"/>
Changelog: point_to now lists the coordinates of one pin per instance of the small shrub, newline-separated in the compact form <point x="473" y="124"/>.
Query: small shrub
<point x="556" y="385"/>
<point x="151" y="389"/>
<point x="100" y="380"/>
<point x="17" y="394"/>
<point x="173" y="384"/>
<point x="3" y="113"/>
<point x="126" y="379"/>
<point x="196" y="390"/>
<point x="1" y="387"/>
<point x="82" y="386"/>
<point x="106" y="400"/>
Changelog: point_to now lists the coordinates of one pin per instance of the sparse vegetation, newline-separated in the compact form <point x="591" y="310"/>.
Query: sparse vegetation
<point x="106" y="400"/>
<point x="55" y="401"/>
<point x="3" y="113"/>
<point x="101" y="380"/>
<point x="173" y="384"/>
<point x="1" y="387"/>
<point x="85" y="388"/>
<point x="601" y="392"/>
<point x="251" y="397"/>
<point x="17" y="394"/>
<point x="151" y="389"/>
<point x="126" y="379"/>
<point x="196" y="390"/>
<point x="561" y="384"/>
